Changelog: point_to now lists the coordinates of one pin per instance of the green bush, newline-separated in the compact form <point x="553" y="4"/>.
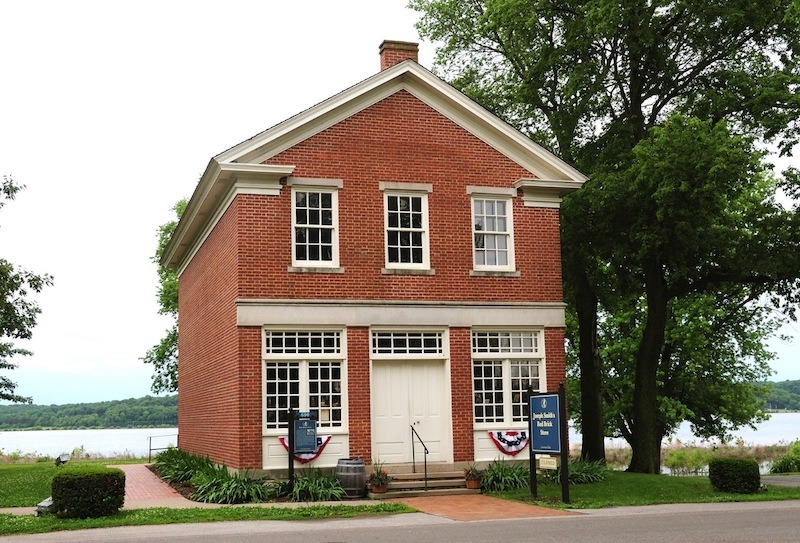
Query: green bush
<point x="788" y="463"/>
<point x="501" y="476"/>
<point x="584" y="471"/>
<point x="88" y="491"/>
<point x="315" y="486"/>
<point x="686" y="460"/>
<point x="220" y="486"/>
<point x="738" y="475"/>
<point x="176" y="466"/>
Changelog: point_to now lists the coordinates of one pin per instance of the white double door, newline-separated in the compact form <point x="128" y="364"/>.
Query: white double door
<point x="405" y="394"/>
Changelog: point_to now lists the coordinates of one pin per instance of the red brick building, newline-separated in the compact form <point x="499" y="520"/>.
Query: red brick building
<point x="388" y="258"/>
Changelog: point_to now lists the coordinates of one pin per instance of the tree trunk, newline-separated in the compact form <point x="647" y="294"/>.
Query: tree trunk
<point x="646" y="444"/>
<point x="593" y="445"/>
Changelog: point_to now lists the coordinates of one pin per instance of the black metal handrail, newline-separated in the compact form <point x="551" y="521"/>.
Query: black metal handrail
<point x="414" y="456"/>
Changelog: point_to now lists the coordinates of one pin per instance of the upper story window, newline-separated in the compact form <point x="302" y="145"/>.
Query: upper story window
<point x="492" y="233"/>
<point x="406" y="220"/>
<point x="315" y="223"/>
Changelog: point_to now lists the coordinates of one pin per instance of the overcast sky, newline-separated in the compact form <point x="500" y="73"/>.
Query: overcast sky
<point x="110" y="112"/>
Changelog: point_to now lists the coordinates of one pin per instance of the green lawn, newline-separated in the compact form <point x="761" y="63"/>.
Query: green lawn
<point x="11" y="524"/>
<point x="28" y="484"/>
<point x="621" y="488"/>
<point x="23" y="485"/>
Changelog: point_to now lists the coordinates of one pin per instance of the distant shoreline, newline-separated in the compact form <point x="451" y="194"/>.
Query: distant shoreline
<point x="46" y="429"/>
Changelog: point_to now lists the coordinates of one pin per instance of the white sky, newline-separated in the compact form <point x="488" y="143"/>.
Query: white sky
<point x="109" y="113"/>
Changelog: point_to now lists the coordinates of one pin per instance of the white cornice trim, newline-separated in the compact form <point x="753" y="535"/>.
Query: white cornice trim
<point x="546" y="192"/>
<point x="289" y="312"/>
<point x="220" y="184"/>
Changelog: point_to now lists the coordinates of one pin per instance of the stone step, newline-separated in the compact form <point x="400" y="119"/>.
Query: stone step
<point x="432" y="483"/>
<point x="432" y="476"/>
<point x="389" y="494"/>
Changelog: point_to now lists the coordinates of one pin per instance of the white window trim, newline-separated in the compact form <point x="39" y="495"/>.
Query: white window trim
<point x="421" y="192"/>
<point x="498" y="197"/>
<point x="303" y="390"/>
<point x="506" y="358"/>
<point x="331" y="187"/>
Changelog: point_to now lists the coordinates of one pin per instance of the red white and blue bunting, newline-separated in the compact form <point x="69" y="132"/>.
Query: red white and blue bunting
<point x="304" y="458"/>
<point x="510" y="442"/>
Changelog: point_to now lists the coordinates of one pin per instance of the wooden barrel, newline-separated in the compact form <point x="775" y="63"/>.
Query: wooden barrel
<point x="352" y="476"/>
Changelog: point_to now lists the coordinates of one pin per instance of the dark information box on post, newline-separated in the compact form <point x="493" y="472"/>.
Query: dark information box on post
<point x="302" y="436"/>
<point x="547" y="420"/>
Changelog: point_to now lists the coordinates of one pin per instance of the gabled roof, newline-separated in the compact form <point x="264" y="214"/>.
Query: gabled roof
<point x="240" y="169"/>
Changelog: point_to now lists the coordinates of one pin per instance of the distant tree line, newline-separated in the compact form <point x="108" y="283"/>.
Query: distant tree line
<point x="785" y="395"/>
<point x="146" y="412"/>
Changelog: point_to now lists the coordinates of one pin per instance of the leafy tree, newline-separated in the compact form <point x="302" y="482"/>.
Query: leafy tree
<point x="17" y="313"/>
<point x="594" y="80"/>
<point x="164" y="355"/>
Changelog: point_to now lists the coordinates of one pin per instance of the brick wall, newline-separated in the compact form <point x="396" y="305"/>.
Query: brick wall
<point x="219" y="390"/>
<point x="358" y="392"/>
<point x="461" y="393"/>
<point x="398" y="139"/>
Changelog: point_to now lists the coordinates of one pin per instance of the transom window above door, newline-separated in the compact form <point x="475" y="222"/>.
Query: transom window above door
<point x="407" y="343"/>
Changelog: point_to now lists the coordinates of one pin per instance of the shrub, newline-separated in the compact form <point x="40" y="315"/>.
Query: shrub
<point x="788" y="463"/>
<point x="315" y="486"/>
<point x="686" y="460"/>
<point x="500" y="476"/>
<point x="176" y="466"/>
<point x="585" y="471"/>
<point x="738" y="475"/>
<point x="220" y="486"/>
<point x="88" y="491"/>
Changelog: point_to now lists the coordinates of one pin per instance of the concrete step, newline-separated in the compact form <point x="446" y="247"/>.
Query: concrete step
<point x="440" y="483"/>
<point x="389" y="494"/>
<point x="432" y="483"/>
<point x="432" y="475"/>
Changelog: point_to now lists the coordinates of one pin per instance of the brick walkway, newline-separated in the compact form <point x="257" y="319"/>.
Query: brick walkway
<point x="478" y="507"/>
<point x="142" y="484"/>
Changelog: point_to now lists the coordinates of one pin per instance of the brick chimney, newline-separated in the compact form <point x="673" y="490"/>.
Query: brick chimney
<point x="394" y="52"/>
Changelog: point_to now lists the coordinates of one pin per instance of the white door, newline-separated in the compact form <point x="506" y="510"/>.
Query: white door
<point x="405" y="394"/>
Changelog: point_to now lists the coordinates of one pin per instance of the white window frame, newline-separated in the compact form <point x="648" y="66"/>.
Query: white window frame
<point x="410" y="190"/>
<point x="303" y="361"/>
<point x="512" y="349"/>
<point x="495" y="195"/>
<point x="321" y="186"/>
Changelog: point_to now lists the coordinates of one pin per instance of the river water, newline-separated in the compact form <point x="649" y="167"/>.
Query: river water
<point x="107" y="443"/>
<point x="781" y="428"/>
